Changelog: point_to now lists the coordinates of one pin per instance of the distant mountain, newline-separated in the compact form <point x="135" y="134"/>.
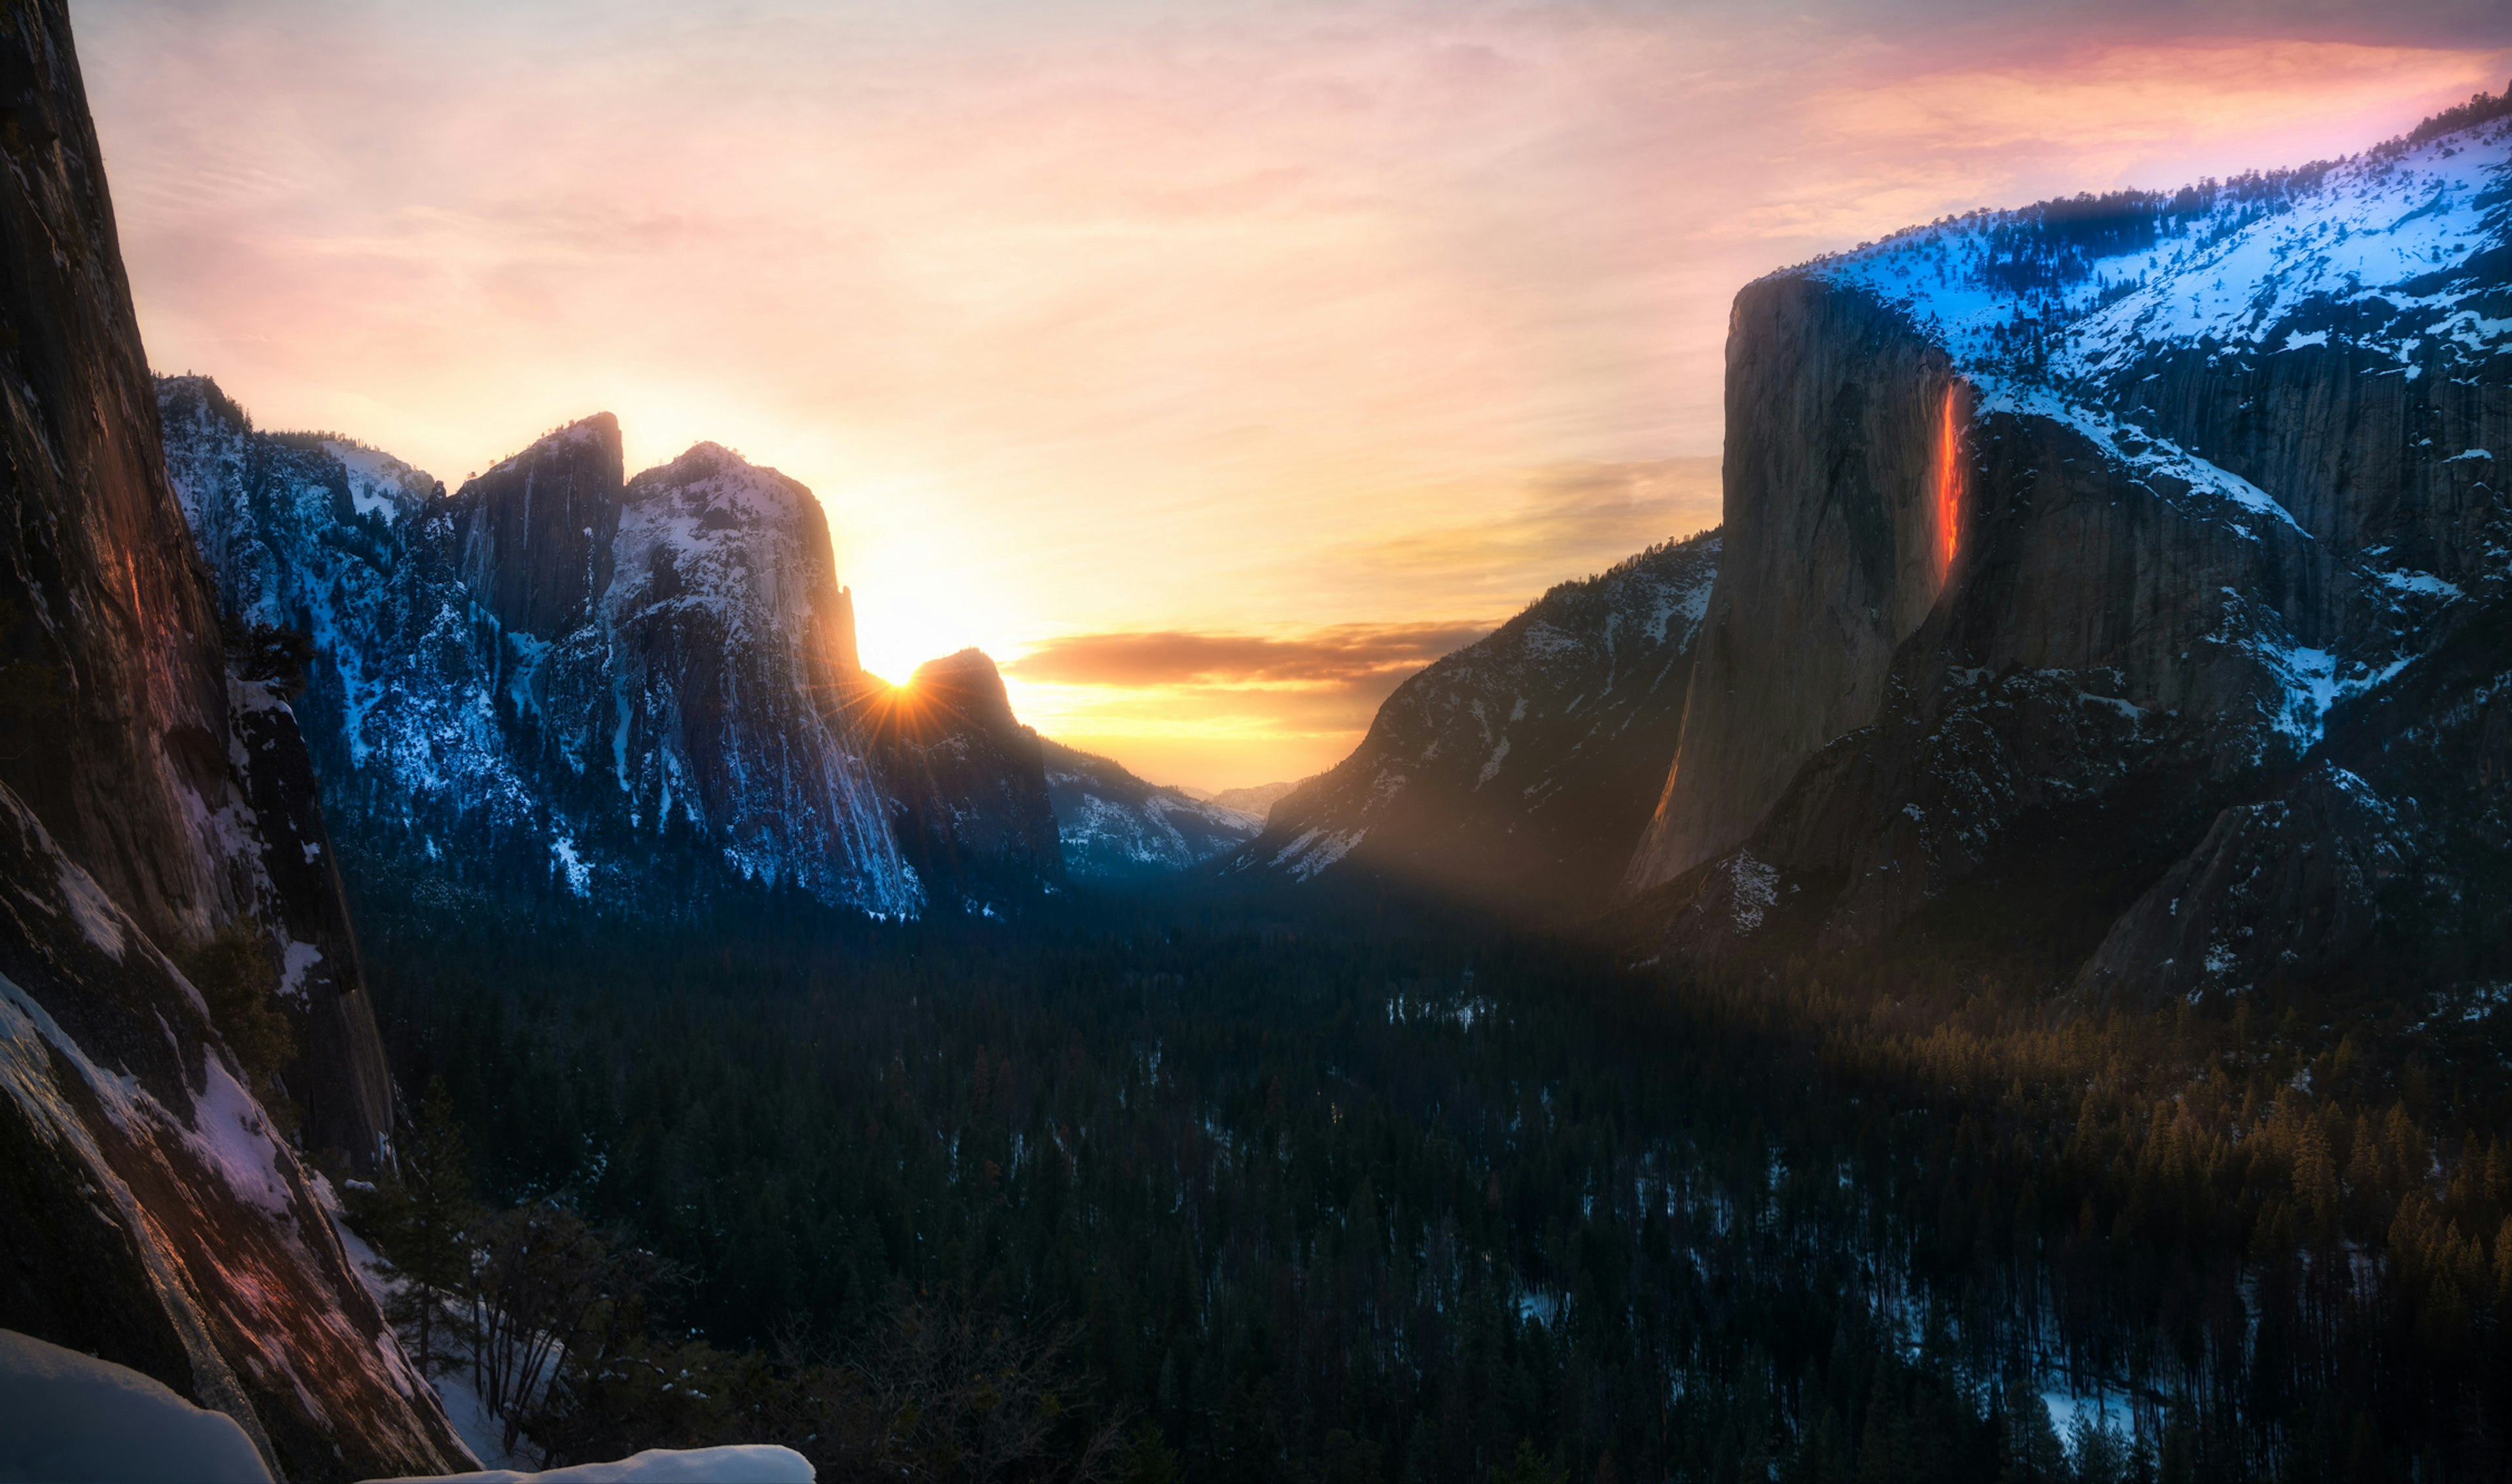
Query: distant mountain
<point x="1520" y="770"/>
<point x="183" y="1011"/>
<point x="966" y="781"/>
<point x="2122" y="580"/>
<point x="640" y="693"/>
<point x="1256" y="799"/>
<point x="1116" y="827"/>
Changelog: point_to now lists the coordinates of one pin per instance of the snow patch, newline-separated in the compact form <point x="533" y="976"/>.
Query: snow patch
<point x="580" y="875"/>
<point x="69" y="1416"/>
<point x="2423" y="584"/>
<point x="1499" y="755"/>
<point x="91" y="910"/>
<point x="300" y="957"/>
<point x="738" y="1463"/>
<point x="1756" y="886"/>
<point x="1314" y="850"/>
<point x="230" y="1136"/>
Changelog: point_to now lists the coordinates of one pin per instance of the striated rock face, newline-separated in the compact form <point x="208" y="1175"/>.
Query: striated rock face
<point x="965" y="779"/>
<point x="2385" y="856"/>
<point x="116" y="730"/>
<point x="151" y="1214"/>
<point x="1519" y="769"/>
<point x="153" y="800"/>
<point x="552" y="681"/>
<point x="534" y="535"/>
<point x="2077" y="532"/>
<point x="1831" y="400"/>
<point x="2284" y="884"/>
<point x="1114" y="827"/>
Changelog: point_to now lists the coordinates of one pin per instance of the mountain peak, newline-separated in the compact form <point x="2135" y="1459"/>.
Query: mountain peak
<point x="199" y="397"/>
<point x="967" y="683"/>
<point x="598" y="433"/>
<point x="726" y="490"/>
<point x="970" y="662"/>
<point x="534" y="532"/>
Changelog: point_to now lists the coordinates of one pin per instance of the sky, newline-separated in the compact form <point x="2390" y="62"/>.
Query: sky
<point x="1213" y="366"/>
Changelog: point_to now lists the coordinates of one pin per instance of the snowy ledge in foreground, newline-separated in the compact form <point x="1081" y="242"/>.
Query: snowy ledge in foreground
<point x="68" y="1417"/>
<point x="746" y="1464"/>
<point x="73" y="1419"/>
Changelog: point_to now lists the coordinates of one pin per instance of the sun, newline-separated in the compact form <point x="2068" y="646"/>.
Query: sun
<point x="904" y="616"/>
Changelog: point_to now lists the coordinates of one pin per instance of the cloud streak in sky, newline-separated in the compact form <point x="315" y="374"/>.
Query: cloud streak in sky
<point x="1342" y="656"/>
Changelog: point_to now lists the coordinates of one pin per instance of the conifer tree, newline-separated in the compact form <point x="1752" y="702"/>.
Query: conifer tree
<point x="423" y="1224"/>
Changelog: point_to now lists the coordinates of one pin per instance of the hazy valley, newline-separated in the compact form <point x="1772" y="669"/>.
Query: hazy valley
<point x="1991" y="962"/>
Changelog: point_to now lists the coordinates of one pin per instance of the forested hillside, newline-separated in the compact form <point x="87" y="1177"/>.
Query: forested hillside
<point x="1388" y="1197"/>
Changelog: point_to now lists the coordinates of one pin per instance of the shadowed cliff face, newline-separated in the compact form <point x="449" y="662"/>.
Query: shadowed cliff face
<point x="1116" y="827"/>
<point x="117" y="726"/>
<point x="535" y="532"/>
<point x="2219" y="491"/>
<point x="151" y="799"/>
<point x="703" y="693"/>
<point x="1834" y="424"/>
<point x="1517" y="771"/>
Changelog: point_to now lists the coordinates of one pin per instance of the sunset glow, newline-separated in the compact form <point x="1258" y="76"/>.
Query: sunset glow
<point x="1945" y="480"/>
<point x="1278" y="323"/>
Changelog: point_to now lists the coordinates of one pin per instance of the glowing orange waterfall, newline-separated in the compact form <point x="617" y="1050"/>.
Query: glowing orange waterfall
<point x="1945" y="482"/>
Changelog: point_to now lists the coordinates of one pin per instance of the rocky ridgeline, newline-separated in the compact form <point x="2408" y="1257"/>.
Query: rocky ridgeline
<point x="1518" y="770"/>
<point x="966" y="780"/>
<point x="1116" y="827"/>
<point x="157" y="812"/>
<point x="638" y="692"/>
<point x="2125" y="575"/>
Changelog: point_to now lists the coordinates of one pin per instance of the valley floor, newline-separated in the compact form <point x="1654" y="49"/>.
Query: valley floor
<point x="1217" y="1192"/>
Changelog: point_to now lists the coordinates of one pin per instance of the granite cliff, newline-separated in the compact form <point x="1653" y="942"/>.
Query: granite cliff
<point x="636" y="692"/>
<point x="1118" y="828"/>
<point x="2102" y="577"/>
<point x="967" y="782"/>
<point x="159" y="836"/>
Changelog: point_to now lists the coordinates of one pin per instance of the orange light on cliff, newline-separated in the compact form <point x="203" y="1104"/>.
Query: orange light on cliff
<point x="1945" y="481"/>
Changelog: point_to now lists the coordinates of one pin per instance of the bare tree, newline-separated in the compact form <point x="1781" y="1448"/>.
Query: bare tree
<point x="954" y="1394"/>
<point x="538" y="1276"/>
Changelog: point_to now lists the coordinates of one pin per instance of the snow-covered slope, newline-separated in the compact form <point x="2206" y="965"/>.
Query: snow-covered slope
<point x="1519" y="769"/>
<point x="555" y="681"/>
<point x="1116" y="827"/>
<point x="2032" y="514"/>
<point x="69" y="1416"/>
<point x="2100" y="314"/>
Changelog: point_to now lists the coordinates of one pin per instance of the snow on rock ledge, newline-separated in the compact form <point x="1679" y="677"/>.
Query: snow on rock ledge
<point x="72" y="1417"/>
<point x="746" y="1464"/>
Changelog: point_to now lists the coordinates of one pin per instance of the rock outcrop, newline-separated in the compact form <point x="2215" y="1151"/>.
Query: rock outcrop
<point x="966" y="781"/>
<point x="640" y="693"/>
<point x="2079" y="530"/>
<point x="1518" y="770"/>
<point x="1114" y="827"/>
<point x="153" y="805"/>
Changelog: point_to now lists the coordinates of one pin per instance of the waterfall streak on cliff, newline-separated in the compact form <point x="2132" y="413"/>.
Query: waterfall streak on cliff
<point x="1946" y="480"/>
